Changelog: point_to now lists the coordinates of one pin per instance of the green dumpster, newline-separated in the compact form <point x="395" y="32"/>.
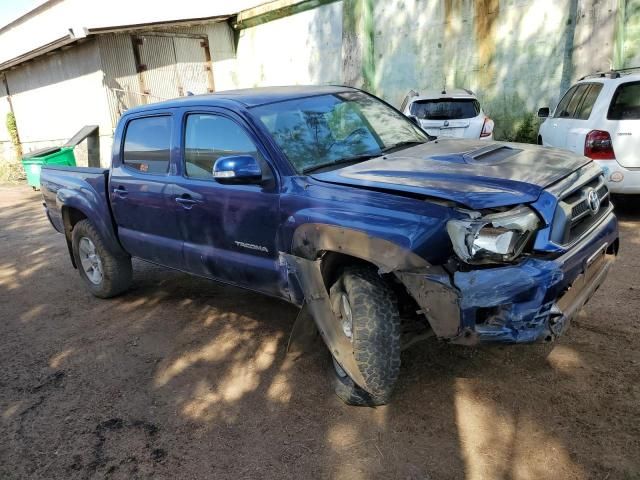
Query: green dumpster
<point x="33" y="162"/>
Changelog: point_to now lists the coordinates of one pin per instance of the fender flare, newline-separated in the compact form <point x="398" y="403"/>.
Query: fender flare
<point x="94" y="212"/>
<point x="310" y="240"/>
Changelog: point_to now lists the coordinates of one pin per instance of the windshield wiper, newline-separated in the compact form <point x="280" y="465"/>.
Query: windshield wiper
<point x="401" y="145"/>
<point x="342" y="161"/>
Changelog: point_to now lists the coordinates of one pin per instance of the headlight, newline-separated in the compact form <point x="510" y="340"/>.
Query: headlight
<point x="498" y="237"/>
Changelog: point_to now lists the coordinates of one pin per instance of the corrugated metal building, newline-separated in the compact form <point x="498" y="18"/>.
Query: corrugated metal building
<point x="93" y="77"/>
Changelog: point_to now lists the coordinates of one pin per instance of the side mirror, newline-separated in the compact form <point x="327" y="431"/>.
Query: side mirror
<point x="237" y="169"/>
<point x="543" y="112"/>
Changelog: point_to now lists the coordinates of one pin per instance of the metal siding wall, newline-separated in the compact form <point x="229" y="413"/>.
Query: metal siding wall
<point x="4" y="109"/>
<point x="190" y="65"/>
<point x="159" y="77"/>
<point x="56" y="95"/>
<point x="223" y="55"/>
<point x="120" y="76"/>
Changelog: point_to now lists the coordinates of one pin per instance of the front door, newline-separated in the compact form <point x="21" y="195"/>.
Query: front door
<point x="229" y="229"/>
<point x="141" y="192"/>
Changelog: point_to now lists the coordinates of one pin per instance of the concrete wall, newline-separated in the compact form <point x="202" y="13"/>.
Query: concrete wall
<point x="304" y="48"/>
<point x="517" y="55"/>
<point x="627" y="47"/>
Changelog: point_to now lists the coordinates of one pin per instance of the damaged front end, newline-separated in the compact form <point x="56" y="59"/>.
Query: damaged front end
<point x="531" y="299"/>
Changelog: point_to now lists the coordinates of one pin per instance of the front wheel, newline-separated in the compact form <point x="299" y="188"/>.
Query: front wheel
<point x="104" y="273"/>
<point x="367" y="310"/>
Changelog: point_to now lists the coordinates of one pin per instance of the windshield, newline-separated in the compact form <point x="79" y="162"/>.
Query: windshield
<point x="445" y="109"/>
<point x="333" y="129"/>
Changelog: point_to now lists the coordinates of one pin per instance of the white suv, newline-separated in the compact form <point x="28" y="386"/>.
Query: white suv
<point x="449" y="113"/>
<point x="599" y="117"/>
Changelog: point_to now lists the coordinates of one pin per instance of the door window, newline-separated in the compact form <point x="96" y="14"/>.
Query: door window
<point x="209" y="137"/>
<point x="147" y="144"/>
<point x="625" y="104"/>
<point x="588" y="100"/>
<point x="561" y="109"/>
<point x="575" y="101"/>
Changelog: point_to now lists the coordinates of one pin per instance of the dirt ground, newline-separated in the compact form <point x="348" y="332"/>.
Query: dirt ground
<point x="185" y="378"/>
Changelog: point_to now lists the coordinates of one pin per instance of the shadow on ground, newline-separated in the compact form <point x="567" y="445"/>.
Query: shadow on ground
<point x="185" y="378"/>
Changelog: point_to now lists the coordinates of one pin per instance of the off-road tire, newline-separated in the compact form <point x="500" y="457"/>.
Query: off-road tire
<point x="116" y="269"/>
<point x="375" y="337"/>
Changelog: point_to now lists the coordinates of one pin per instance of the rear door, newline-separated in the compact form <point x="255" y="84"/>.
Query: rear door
<point x="563" y="117"/>
<point x="623" y="124"/>
<point x="140" y="191"/>
<point x="229" y="229"/>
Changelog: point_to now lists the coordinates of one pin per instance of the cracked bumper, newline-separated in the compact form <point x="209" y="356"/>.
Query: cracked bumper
<point x="534" y="300"/>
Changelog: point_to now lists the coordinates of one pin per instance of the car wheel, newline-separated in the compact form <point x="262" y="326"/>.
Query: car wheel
<point x="367" y="310"/>
<point x="539" y="140"/>
<point x="104" y="273"/>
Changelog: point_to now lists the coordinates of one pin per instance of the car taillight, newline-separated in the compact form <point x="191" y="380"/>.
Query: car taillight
<point x="598" y="146"/>
<point x="487" y="127"/>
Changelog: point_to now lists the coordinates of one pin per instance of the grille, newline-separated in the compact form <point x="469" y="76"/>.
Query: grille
<point x="574" y="216"/>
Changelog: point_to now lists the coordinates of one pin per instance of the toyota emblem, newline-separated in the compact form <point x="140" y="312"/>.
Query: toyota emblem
<point x="594" y="201"/>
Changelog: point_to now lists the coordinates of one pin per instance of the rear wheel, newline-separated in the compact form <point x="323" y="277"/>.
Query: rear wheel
<point x="367" y="310"/>
<point x="104" y="273"/>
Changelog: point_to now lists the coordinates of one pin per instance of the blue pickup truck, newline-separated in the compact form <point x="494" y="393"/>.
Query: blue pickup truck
<point x="333" y="200"/>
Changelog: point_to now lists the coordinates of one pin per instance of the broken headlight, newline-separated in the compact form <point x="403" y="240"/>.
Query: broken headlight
<point x="499" y="237"/>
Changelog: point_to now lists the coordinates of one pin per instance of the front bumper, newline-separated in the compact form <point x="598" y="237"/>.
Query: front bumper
<point x="536" y="299"/>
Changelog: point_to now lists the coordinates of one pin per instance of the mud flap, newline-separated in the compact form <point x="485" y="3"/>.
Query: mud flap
<point x="318" y="306"/>
<point x="303" y="334"/>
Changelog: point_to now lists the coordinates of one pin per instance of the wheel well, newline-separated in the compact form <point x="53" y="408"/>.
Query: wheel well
<point x="333" y="263"/>
<point x="71" y="216"/>
<point x="331" y="268"/>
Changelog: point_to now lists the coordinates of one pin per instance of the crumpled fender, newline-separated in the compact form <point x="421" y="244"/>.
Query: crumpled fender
<point x="310" y="241"/>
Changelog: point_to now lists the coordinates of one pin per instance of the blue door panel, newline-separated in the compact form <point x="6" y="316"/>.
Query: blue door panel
<point x="230" y="233"/>
<point x="229" y="230"/>
<point x="146" y="217"/>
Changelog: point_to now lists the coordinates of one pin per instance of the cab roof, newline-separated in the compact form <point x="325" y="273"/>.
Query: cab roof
<point x="248" y="97"/>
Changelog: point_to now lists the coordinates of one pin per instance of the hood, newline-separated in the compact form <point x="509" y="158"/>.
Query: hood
<point x="469" y="172"/>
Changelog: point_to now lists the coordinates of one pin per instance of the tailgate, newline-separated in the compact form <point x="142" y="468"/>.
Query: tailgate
<point x="625" y="136"/>
<point x="445" y="128"/>
<point x="623" y="124"/>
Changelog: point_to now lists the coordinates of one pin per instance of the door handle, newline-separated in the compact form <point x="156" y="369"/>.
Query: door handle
<point x="185" y="201"/>
<point x="120" y="191"/>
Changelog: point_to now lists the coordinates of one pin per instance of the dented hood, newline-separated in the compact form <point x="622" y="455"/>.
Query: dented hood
<point x="477" y="174"/>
